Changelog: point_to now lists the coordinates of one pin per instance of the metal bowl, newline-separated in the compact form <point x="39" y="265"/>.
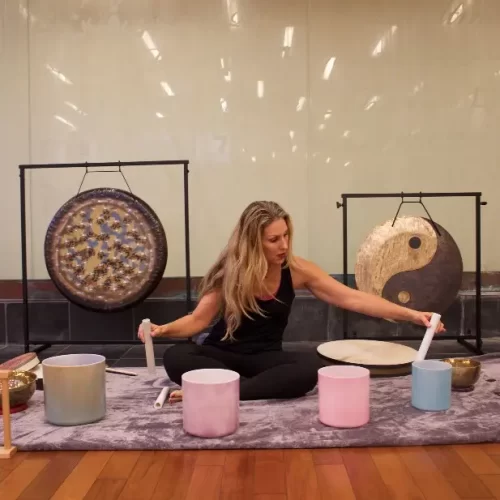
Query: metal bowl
<point x="22" y="386"/>
<point x="464" y="374"/>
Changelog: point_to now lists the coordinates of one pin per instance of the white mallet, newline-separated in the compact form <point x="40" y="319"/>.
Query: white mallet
<point x="148" y="342"/>
<point x="429" y="335"/>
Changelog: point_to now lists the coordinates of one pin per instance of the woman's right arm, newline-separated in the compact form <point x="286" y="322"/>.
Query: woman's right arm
<point x="191" y="324"/>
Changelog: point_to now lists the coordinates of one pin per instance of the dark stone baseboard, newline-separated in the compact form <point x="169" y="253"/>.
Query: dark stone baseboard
<point x="311" y="320"/>
<point x="171" y="287"/>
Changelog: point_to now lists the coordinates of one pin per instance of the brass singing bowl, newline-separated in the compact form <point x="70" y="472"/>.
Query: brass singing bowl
<point x="22" y="386"/>
<point x="465" y="372"/>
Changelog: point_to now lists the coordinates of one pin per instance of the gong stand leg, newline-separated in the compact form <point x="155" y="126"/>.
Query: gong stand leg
<point x="6" y="450"/>
<point x="24" y="259"/>
<point x="479" y="340"/>
<point x="343" y="206"/>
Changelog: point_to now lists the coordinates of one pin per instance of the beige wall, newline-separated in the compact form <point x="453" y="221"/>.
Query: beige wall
<point x="412" y="103"/>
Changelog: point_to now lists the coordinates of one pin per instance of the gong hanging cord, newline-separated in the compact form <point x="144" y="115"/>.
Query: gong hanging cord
<point x="419" y="201"/>
<point x="87" y="171"/>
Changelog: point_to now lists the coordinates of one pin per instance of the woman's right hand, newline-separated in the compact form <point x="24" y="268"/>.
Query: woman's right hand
<point x="156" y="331"/>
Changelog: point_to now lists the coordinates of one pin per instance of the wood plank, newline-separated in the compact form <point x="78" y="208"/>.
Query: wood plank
<point x="490" y="448"/>
<point x="269" y="455"/>
<point x="327" y="456"/>
<point x="334" y="483"/>
<point x="10" y="464"/>
<point x="105" y="489"/>
<point x="426" y="475"/>
<point x="396" y="477"/>
<point x="477" y="459"/>
<point x="145" y="476"/>
<point x="21" y="477"/>
<point x="301" y="479"/>
<point x="269" y="497"/>
<point x="211" y="457"/>
<point x="457" y="473"/>
<point x="83" y="476"/>
<point x="363" y="474"/>
<point x="238" y="476"/>
<point x="120" y="465"/>
<point x="48" y="481"/>
<point x="269" y="472"/>
<point x="206" y="483"/>
<point x="175" y="476"/>
<point x="492" y="482"/>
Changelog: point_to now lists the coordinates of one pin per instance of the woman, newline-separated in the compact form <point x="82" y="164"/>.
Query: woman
<point x="251" y="288"/>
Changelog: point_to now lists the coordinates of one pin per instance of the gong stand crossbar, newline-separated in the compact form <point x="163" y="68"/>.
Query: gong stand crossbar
<point x="461" y="339"/>
<point x="44" y="344"/>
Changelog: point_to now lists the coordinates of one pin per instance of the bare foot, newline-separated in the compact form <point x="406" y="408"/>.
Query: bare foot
<point x="175" y="397"/>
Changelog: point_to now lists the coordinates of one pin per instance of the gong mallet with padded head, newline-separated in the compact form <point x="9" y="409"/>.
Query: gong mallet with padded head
<point x="429" y="335"/>
<point x="7" y="450"/>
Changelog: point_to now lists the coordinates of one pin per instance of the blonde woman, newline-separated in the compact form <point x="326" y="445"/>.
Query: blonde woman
<point x="250" y="290"/>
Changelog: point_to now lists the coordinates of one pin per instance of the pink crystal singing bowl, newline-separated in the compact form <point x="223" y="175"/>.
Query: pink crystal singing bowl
<point x="344" y="396"/>
<point x="211" y="402"/>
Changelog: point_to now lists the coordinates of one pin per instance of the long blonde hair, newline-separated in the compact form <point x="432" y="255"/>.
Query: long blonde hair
<point x="241" y="267"/>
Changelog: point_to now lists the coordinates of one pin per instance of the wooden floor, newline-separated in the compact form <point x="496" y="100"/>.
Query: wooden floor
<point x="437" y="473"/>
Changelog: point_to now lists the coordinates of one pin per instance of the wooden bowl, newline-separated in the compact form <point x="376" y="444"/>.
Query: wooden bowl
<point x="22" y="386"/>
<point x="465" y="373"/>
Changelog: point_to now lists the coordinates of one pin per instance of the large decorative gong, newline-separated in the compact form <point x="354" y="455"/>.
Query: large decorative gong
<point x="105" y="249"/>
<point x="411" y="264"/>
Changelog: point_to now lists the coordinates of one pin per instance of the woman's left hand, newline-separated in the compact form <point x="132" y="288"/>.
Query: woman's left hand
<point x="423" y="319"/>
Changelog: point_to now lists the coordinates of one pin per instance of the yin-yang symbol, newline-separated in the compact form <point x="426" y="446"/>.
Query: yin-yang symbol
<point x="410" y="264"/>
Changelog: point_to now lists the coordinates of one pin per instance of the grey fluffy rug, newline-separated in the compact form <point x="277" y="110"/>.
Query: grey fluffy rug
<point x="133" y="424"/>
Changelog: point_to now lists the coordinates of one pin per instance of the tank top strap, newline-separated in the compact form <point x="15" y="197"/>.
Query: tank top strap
<point x="286" y="289"/>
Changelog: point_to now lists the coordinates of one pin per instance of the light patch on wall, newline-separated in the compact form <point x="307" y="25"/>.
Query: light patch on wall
<point x="160" y="115"/>
<point x="233" y="16"/>
<point x="329" y="68"/>
<point x="74" y="107"/>
<point x="25" y="14"/>
<point x="384" y="41"/>
<point x="288" y="37"/>
<point x="417" y="88"/>
<point x="66" y="122"/>
<point x="168" y="89"/>
<point x="372" y="102"/>
<point x="59" y="75"/>
<point x="346" y="134"/>
<point x="300" y="104"/>
<point x="151" y="46"/>
<point x="223" y="105"/>
<point x="260" y="89"/>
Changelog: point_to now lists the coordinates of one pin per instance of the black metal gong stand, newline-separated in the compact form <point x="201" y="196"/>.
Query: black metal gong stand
<point x="119" y="164"/>
<point x="461" y="339"/>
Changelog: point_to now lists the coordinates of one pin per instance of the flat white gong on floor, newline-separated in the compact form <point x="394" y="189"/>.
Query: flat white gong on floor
<point x="380" y="357"/>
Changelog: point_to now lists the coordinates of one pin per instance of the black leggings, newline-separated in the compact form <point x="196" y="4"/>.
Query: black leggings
<point x="265" y="375"/>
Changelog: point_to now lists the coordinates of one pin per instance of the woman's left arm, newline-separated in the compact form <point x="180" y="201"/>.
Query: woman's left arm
<point x="329" y="290"/>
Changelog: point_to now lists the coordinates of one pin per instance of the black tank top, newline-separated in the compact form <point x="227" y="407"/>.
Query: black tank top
<point x="259" y="333"/>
